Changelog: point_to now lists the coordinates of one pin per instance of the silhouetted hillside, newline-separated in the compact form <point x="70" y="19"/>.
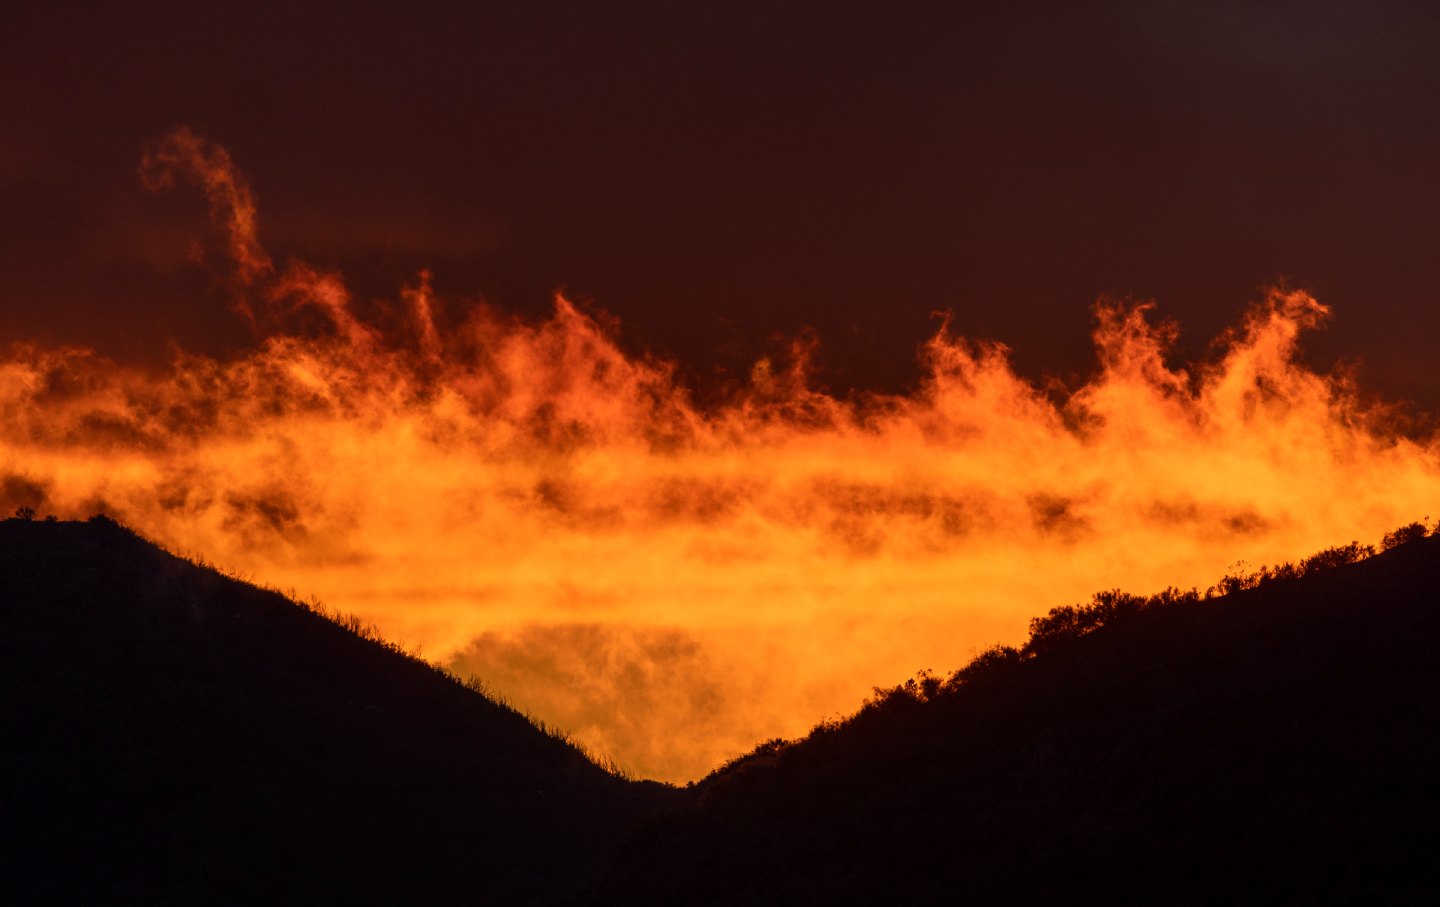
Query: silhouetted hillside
<point x="1278" y="743"/>
<point x="170" y="735"/>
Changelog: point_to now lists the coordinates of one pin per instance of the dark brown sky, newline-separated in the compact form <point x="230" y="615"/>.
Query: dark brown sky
<point x="715" y="173"/>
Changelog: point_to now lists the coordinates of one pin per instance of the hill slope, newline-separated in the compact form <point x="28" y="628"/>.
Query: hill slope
<point x="1279" y="744"/>
<point x="172" y="735"/>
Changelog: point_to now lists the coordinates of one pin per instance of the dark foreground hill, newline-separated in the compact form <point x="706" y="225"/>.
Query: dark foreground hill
<point x="1279" y="744"/>
<point x="170" y="735"/>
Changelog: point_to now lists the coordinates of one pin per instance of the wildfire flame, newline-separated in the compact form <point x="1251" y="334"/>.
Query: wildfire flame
<point x="672" y="582"/>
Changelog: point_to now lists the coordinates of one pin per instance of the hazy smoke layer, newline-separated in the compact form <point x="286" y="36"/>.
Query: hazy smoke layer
<point x="675" y="583"/>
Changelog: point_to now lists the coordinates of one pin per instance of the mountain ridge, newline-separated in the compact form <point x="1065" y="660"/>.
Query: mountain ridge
<point x="175" y="734"/>
<point x="1274" y="742"/>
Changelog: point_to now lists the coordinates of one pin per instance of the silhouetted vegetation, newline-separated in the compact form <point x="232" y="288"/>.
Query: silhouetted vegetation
<point x="173" y="735"/>
<point x="1403" y="536"/>
<point x="1270" y="739"/>
<point x="1069" y="622"/>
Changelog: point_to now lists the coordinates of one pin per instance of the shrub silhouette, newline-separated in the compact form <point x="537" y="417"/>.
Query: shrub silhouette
<point x="1403" y="536"/>
<point x="1339" y="556"/>
<point x="1073" y="621"/>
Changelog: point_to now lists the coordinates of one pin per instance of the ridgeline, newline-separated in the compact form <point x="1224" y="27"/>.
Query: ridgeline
<point x="174" y="736"/>
<point x="1274" y="741"/>
<point x="171" y="735"/>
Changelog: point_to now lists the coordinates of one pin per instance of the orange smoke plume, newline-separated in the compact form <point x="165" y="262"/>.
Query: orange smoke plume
<point x="182" y="156"/>
<point x="671" y="582"/>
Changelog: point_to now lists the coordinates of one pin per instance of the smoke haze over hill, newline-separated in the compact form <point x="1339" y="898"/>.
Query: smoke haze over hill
<point x="671" y="578"/>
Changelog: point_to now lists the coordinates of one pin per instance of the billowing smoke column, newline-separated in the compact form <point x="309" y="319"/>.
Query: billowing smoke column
<point x="673" y="583"/>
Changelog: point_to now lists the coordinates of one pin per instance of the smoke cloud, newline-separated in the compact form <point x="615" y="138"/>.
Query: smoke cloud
<point x="674" y="582"/>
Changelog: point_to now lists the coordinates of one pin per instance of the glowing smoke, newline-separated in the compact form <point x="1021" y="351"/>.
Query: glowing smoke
<point x="670" y="582"/>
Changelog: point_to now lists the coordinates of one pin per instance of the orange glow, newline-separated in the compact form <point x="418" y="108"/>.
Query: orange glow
<point x="674" y="583"/>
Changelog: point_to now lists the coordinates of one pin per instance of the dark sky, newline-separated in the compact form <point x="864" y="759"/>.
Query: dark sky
<point x="716" y="173"/>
